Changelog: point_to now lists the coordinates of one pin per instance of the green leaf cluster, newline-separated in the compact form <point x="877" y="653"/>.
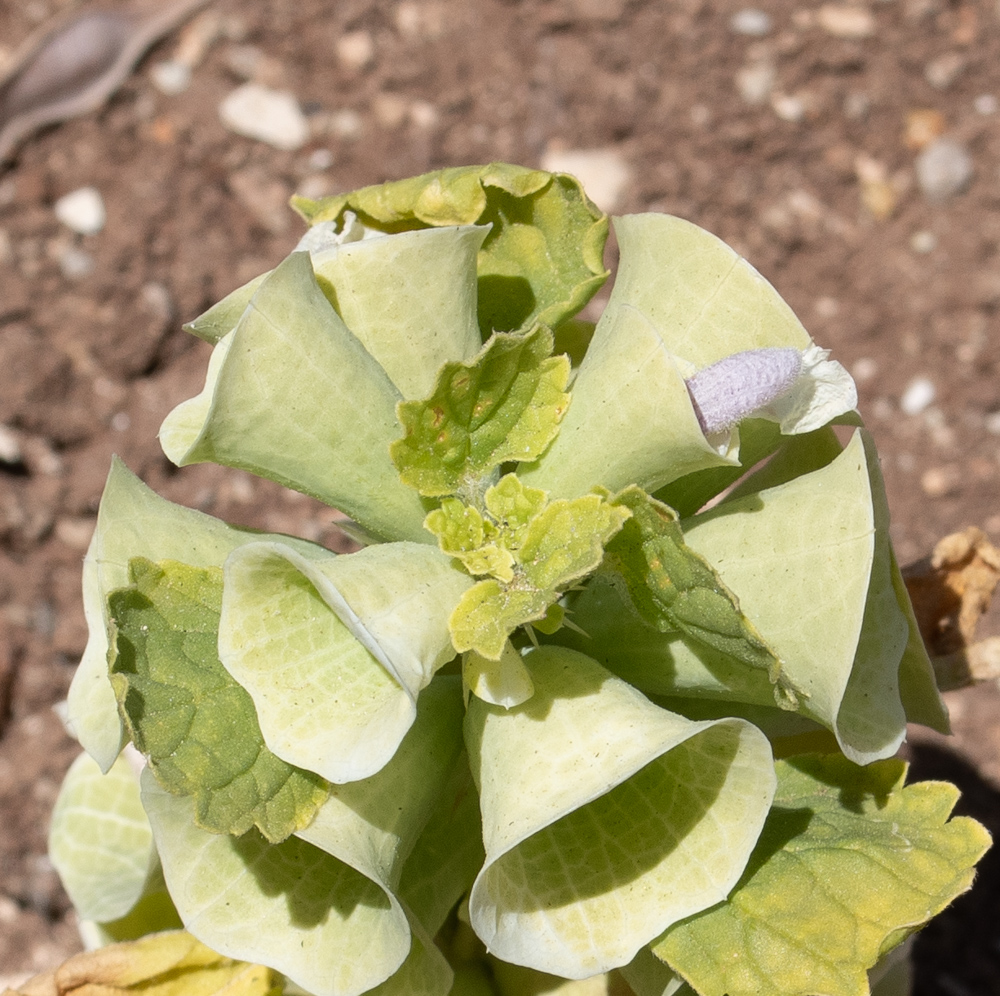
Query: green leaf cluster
<point x="356" y="773"/>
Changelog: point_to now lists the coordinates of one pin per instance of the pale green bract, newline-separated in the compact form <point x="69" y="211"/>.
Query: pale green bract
<point x="522" y="741"/>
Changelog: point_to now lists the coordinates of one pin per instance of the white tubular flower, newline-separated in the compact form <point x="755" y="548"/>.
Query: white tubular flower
<point x="801" y="390"/>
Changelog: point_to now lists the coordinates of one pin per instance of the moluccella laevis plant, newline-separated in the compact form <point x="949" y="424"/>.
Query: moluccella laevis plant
<point x="607" y="701"/>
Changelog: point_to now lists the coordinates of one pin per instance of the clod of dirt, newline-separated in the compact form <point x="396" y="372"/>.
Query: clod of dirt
<point x="76" y="66"/>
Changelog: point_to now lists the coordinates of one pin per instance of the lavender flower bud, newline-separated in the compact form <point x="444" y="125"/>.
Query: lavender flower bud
<point x="738" y="385"/>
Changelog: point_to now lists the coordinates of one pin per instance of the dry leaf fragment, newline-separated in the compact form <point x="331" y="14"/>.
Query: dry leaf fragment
<point x="74" y="67"/>
<point x="950" y="591"/>
<point x="171" y="963"/>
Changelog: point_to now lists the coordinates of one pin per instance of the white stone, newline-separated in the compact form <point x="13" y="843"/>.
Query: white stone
<point x="82" y="211"/>
<point x="944" y="70"/>
<point x="170" y="77"/>
<point x="750" y="21"/>
<point x="76" y="263"/>
<point x="986" y="104"/>
<point x="944" y="168"/>
<point x="345" y="123"/>
<point x="356" y="49"/>
<point x="755" y="81"/>
<point x="992" y="423"/>
<point x="923" y="242"/>
<point x="846" y="20"/>
<point x="864" y="369"/>
<point x="788" y="107"/>
<point x="919" y="394"/>
<point x="270" y="116"/>
<point x="10" y="446"/>
<point x="603" y="172"/>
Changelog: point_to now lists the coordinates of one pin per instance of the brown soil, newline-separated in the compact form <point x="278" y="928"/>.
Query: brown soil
<point x="89" y="366"/>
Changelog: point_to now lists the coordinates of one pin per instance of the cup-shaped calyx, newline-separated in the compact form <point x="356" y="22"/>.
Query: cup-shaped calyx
<point x="292" y="394"/>
<point x="605" y="818"/>
<point x="807" y="556"/>
<point x="692" y="341"/>
<point x="335" y="650"/>
<point x="543" y="259"/>
<point x="134" y="521"/>
<point x="321" y="906"/>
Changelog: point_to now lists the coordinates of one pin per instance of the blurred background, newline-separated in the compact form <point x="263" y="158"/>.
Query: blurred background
<point x="851" y="151"/>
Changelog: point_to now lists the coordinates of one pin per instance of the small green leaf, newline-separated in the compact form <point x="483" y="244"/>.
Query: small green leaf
<point x="849" y="860"/>
<point x="513" y="506"/>
<point x="677" y="590"/>
<point x="490" y="611"/>
<point x="504" y="405"/>
<point x="463" y="533"/>
<point x="566" y="540"/>
<point x="197" y="727"/>
<point x="562" y="543"/>
<point x="543" y="259"/>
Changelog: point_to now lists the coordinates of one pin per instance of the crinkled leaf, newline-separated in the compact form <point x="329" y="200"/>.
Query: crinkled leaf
<point x="562" y="543"/>
<point x="197" y="727"/>
<point x="848" y="861"/>
<point x="504" y="405"/>
<point x="167" y="964"/>
<point x="464" y="534"/>
<point x="543" y="259"/>
<point x="99" y="839"/>
<point x="605" y="818"/>
<point x="134" y="521"/>
<point x="513" y="506"/>
<point x="676" y="589"/>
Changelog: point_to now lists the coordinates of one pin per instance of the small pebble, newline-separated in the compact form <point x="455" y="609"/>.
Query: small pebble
<point x="345" y="124"/>
<point x="604" y="173"/>
<point x="939" y="482"/>
<point x="944" y="168"/>
<point x="76" y="263"/>
<point x="171" y="78"/>
<point x="751" y="22"/>
<point x="986" y="104"/>
<point x="76" y="533"/>
<point x="270" y="116"/>
<point x="846" y="20"/>
<point x="755" y="81"/>
<point x="423" y="114"/>
<point x="320" y="159"/>
<point x="992" y="423"/>
<point x="923" y="125"/>
<point x="918" y="395"/>
<point x="857" y="105"/>
<point x="788" y="107"/>
<point x="121" y="422"/>
<point x="923" y="242"/>
<point x="10" y="446"/>
<point x="356" y="49"/>
<point x="944" y="70"/>
<point x="864" y="369"/>
<point x="82" y="211"/>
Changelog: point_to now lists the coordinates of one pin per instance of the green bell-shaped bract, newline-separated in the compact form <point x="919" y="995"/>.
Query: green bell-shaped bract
<point x="134" y="521"/>
<point x="320" y="907"/>
<point x="605" y="818"/>
<point x="291" y="394"/>
<point x="809" y="560"/>
<point x="335" y="650"/>
<point x="100" y="841"/>
<point x="682" y="300"/>
<point x="410" y="298"/>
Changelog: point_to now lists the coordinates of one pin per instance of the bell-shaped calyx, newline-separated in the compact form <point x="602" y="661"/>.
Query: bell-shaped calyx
<point x="335" y="650"/>
<point x="293" y="395"/>
<point x="804" y="547"/>
<point x="606" y="819"/>
<point x="134" y="521"/>
<point x="683" y="301"/>
<point x="322" y="906"/>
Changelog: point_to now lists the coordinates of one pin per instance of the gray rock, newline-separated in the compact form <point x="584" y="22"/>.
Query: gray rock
<point x="944" y="168"/>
